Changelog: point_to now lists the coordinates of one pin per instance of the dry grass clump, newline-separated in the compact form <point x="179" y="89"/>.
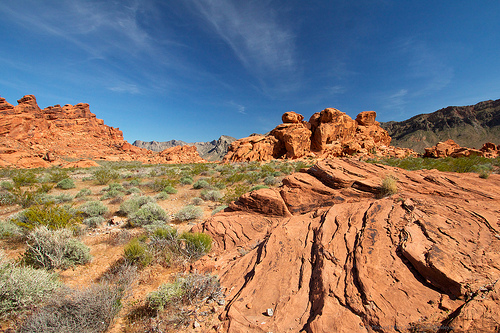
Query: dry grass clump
<point x="389" y="186"/>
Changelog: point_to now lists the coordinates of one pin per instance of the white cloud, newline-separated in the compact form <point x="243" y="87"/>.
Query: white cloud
<point x="239" y="108"/>
<point x="253" y="33"/>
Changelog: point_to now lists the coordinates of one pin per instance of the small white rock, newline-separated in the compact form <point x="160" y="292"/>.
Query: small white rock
<point x="269" y="312"/>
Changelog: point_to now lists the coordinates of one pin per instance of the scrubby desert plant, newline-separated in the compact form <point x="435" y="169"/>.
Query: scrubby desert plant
<point x="56" y="175"/>
<point x="23" y="287"/>
<point x="270" y="180"/>
<point x="133" y="190"/>
<point x="211" y="195"/>
<point x="83" y="193"/>
<point x="258" y="187"/>
<point x="170" y="190"/>
<point x="24" y="178"/>
<point x="66" y="184"/>
<point x="196" y="244"/>
<point x="104" y="175"/>
<point x="165" y="294"/>
<point x="389" y="186"/>
<point x="51" y="249"/>
<point x="189" y="212"/>
<point x="219" y="209"/>
<point x="89" y="310"/>
<point x="93" y="208"/>
<point x="186" y="180"/>
<point x="49" y="215"/>
<point x="147" y="214"/>
<point x="136" y="253"/>
<point x="201" y="183"/>
<point x="94" y="221"/>
<point x="162" y="196"/>
<point x="6" y="185"/>
<point x="9" y="229"/>
<point x="197" y="201"/>
<point x="134" y="203"/>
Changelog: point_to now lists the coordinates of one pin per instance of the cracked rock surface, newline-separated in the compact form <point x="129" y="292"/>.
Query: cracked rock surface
<point x="327" y="254"/>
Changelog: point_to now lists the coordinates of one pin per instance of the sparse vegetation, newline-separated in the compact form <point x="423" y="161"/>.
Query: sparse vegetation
<point x="389" y="186"/>
<point x="189" y="212"/>
<point x="104" y="175"/>
<point x="49" y="215"/>
<point x="66" y="184"/>
<point x="93" y="208"/>
<point x="149" y="213"/>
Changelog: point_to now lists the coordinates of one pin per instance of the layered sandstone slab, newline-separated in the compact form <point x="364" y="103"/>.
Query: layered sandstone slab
<point x="327" y="254"/>
<point x="329" y="133"/>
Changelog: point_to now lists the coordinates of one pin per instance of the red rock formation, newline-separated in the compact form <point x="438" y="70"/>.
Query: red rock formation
<point x="327" y="254"/>
<point x="451" y="148"/>
<point x="34" y="137"/>
<point x="180" y="154"/>
<point x="329" y="133"/>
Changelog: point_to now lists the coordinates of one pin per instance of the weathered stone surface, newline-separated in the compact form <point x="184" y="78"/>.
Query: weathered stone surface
<point x="31" y="137"/>
<point x="423" y="259"/>
<point x="329" y="133"/>
<point x="181" y="154"/>
<point x="451" y="148"/>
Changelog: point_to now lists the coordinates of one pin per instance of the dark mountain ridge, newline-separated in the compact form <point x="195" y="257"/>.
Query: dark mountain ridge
<point x="469" y="126"/>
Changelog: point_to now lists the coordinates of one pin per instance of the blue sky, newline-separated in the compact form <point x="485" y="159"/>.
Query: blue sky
<point x="193" y="70"/>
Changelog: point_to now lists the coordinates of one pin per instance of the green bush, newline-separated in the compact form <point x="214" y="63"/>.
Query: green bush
<point x="186" y="180"/>
<point x="114" y="187"/>
<point x="133" y="190"/>
<point x="197" y="201"/>
<point x="170" y="190"/>
<point x="148" y="214"/>
<point x="219" y="209"/>
<point x="66" y="184"/>
<point x="6" y="185"/>
<point x="235" y="192"/>
<point x="83" y="193"/>
<point x="105" y="175"/>
<point x="56" y="175"/>
<point x="211" y="195"/>
<point x="196" y="244"/>
<point x="202" y="183"/>
<point x="9" y="229"/>
<point x="7" y="199"/>
<point x="270" y="180"/>
<point x="134" y="203"/>
<point x="22" y="288"/>
<point x="258" y="187"/>
<point x="189" y="212"/>
<point x="94" y="221"/>
<point x="89" y="310"/>
<point x="165" y="294"/>
<point x="93" y="208"/>
<point x="162" y="196"/>
<point x="112" y="194"/>
<point x="24" y="178"/>
<point x="54" y="217"/>
<point x="135" y="252"/>
<point x="51" y="249"/>
<point x="162" y="184"/>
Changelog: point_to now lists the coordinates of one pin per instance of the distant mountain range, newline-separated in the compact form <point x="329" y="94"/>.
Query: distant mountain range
<point x="469" y="126"/>
<point x="211" y="151"/>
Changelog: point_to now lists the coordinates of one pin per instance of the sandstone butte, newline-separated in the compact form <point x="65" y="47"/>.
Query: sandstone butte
<point x="451" y="148"/>
<point x="31" y="137"/>
<point x="327" y="253"/>
<point x="329" y="133"/>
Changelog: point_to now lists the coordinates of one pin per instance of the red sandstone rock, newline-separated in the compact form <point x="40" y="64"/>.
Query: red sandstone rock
<point x="40" y="138"/>
<point x="451" y="148"/>
<point x="329" y="133"/>
<point x="180" y="154"/>
<point x="348" y="261"/>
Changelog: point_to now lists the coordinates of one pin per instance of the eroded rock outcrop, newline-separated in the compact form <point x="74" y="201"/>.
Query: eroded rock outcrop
<point x="327" y="254"/>
<point x="329" y="133"/>
<point x="31" y="137"/>
<point x="451" y="148"/>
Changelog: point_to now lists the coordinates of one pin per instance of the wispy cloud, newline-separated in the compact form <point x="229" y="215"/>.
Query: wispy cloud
<point x="125" y="88"/>
<point x="253" y="32"/>
<point x="239" y="108"/>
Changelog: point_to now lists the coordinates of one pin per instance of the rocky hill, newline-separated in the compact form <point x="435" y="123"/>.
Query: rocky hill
<point x="33" y="137"/>
<point x="329" y="133"/>
<point x="327" y="253"/>
<point x="469" y="126"/>
<point x="213" y="150"/>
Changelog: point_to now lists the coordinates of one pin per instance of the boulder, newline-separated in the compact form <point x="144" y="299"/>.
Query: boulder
<point x="291" y="117"/>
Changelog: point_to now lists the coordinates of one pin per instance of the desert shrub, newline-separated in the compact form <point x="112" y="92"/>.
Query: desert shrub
<point x="9" y="229"/>
<point x="165" y="294"/>
<point x="235" y="192"/>
<point x="162" y="196"/>
<point x="189" y="212"/>
<point x="219" y="209"/>
<point x="389" y="186"/>
<point x="89" y="310"/>
<point x="23" y="287"/>
<point x="258" y="187"/>
<point x="162" y="184"/>
<point x="147" y="214"/>
<point x="133" y="190"/>
<point x="49" y="215"/>
<point x="27" y="196"/>
<point x="484" y="170"/>
<point x="24" y="178"/>
<point x="136" y="253"/>
<point x="270" y="180"/>
<point x="197" y="201"/>
<point x="134" y="203"/>
<point x="186" y="180"/>
<point x="56" y="175"/>
<point x="104" y="175"/>
<point x="93" y="208"/>
<point x="83" y="193"/>
<point x="191" y="288"/>
<point x="51" y="249"/>
<point x="60" y="198"/>
<point x="112" y="194"/>
<point x="6" y="185"/>
<point x="94" y="221"/>
<point x="135" y="182"/>
<point x="170" y="190"/>
<point x="114" y="187"/>
<point x="7" y="199"/>
<point x="201" y="183"/>
<point x="211" y="195"/>
<point x="196" y="244"/>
